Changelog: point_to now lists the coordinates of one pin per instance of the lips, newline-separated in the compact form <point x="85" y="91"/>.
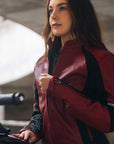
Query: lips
<point x="56" y="25"/>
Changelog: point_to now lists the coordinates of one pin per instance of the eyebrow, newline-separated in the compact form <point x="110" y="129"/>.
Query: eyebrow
<point x="59" y="5"/>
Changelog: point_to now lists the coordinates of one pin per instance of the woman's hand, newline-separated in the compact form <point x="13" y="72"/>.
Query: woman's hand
<point x="27" y="135"/>
<point x="44" y="82"/>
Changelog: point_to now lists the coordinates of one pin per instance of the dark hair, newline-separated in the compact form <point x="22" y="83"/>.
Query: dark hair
<point x="86" y="27"/>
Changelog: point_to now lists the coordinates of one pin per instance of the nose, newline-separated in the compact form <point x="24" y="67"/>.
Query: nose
<point x="54" y="14"/>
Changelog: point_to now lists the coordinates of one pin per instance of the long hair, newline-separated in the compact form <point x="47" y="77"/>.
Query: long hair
<point x="85" y="23"/>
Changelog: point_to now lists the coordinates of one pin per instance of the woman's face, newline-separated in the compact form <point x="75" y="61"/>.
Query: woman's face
<point x="60" y="18"/>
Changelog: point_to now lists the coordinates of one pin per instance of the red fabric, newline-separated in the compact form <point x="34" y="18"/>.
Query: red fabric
<point x="64" y="104"/>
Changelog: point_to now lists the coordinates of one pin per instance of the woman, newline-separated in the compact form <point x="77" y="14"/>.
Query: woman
<point x="74" y="89"/>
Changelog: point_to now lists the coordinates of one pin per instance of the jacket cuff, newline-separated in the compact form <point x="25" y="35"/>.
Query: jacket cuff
<point x="38" y="136"/>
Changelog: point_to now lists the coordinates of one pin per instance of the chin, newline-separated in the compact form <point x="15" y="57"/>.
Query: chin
<point x="57" y="34"/>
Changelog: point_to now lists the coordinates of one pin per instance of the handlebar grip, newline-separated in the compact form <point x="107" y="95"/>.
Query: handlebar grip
<point x="12" y="98"/>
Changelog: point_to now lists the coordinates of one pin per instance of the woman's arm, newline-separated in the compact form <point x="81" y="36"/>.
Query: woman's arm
<point x="35" y="125"/>
<point x="93" y="114"/>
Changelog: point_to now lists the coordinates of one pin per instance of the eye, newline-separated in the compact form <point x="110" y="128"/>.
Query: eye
<point x="50" y="11"/>
<point x="62" y="8"/>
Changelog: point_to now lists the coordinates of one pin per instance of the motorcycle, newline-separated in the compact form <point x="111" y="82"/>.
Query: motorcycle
<point x="10" y="99"/>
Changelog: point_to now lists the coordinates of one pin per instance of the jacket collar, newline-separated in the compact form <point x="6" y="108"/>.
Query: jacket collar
<point x="56" y="44"/>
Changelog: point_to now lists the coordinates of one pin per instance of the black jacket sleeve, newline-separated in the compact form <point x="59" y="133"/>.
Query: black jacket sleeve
<point x="36" y="122"/>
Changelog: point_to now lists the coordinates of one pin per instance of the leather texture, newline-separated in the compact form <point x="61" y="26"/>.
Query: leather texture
<point x="62" y="106"/>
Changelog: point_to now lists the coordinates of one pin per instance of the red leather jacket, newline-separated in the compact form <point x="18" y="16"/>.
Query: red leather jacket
<point x="79" y="104"/>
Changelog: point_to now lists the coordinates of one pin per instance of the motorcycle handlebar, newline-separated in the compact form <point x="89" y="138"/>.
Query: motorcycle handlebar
<point x="12" y="98"/>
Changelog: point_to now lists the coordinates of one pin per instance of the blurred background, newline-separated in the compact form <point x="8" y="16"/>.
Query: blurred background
<point x="21" y="44"/>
